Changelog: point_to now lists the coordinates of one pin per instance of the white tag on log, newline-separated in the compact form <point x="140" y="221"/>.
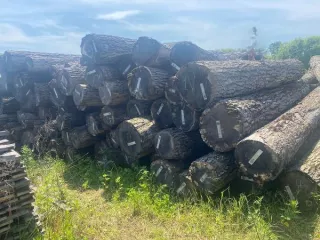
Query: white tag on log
<point x="182" y="186"/>
<point x="175" y="66"/>
<point x="288" y="190"/>
<point x="138" y="84"/>
<point x="28" y="92"/>
<point x="77" y="92"/>
<point x="158" y="142"/>
<point x="126" y="70"/>
<point x="68" y="139"/>
<point x="21" y="82"/>
<point x="94" y="46"/>
<point x="219" y="129"/>
<point x="172" y="90"/>
<point x="137" y="109"/>
<point x="93" y="126"/>
<point x="55" y="92"/>
<point x="91" y="72"/>
<point x="69" y="156"/>
<point x="255" y="157"/>
<point x="62" y="125"/>
<point x="107" y="114"/>
<point x="160" y="109"/>
<point x="247" y="179"/>
<point x="62" y="109"/>
<point x="113" y="140"/>
<point x="159" y="171"/>
<point x="204" y="177"/>
<point x="131" y="143"/>
<point x="183" y="121"/>
<point x="203" y="92"/>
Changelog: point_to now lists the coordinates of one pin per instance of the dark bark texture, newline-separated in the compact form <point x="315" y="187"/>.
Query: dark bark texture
<point x="230" y="120"/>
<point x="137" y="108"/>
<point x="67" y="121"/>
<point x="113" y="135"/>
<point x="161" y="113"/>
<point x="56" y="96"/>
<point x="70" y="77"/>
<point x="104" y="49"/>
<point x="185" y="118"/>
<point x="81" y="138"/>
<point x="136" y="136"/>
<point x="86" y="96"/>
<point x="264" y="154"/>
<point x="200" y="83"/>
<point x="213" y="171"/>
<point x="114" y="93"/>
<point x="171" y="91"/>
<point x="42" y="94"/>
<point x="146" y="83"/>
<point x="125" y="65"/>
<point x="149" y="52"/>
<point x="96" y="76"/>
<point x="113" y="116"/>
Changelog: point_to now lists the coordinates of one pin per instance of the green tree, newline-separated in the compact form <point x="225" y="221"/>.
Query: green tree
<point x="300" y="48"/>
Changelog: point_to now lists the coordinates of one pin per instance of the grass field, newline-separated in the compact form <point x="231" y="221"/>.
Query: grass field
<point x="84" y="201"/>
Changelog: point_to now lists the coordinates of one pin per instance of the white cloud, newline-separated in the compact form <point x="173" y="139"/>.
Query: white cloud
<point x="11" y="34"/>
<point x="118" y="15"/>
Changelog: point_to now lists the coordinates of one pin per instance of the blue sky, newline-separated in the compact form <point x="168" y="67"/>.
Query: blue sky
<point x="59" y="25"/>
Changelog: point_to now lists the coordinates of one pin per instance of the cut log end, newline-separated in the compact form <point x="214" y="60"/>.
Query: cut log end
<point x="185" y="118"/>
<point x="130" y="140"/>
<point x="220" y="128"/>
<point x="161" y="113"/>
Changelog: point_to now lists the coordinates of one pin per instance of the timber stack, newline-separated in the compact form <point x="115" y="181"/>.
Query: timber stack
<point x="199" y="119"/>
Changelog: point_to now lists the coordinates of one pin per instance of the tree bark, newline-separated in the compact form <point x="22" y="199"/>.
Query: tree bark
<point x="95" y="124"/>
<point x="97" y="76"/>
<point x="185" y="118"/>
<point x="171" y="91"/>
<point x="56" y="96"/>
<point x="161" y="113"/>
<point x="137" y="108"/>
<point x="70" y="77"/>
<point x="42" y="94"/>
<point x="167" y="172"/>
<point x="87" y="96"/>
<point x="97" y="49"/>
<point x="173" y="144"/>
<point x="56" y="148"/>
<point x="201" y="83"/>
<point x="231" y="120"/>
<point x="22" y="86"/>
<point x="213" y="171"/>
<point x="136" y="136"/>
<point x="185" y="52"/>
<point x="81" y="138"/>
<point x="16" y="133"/>
<point x="43" y="62"/>
<point x="149" y="52"/>
<point x="114" y="93"/>
<point x="264" y="154"/>
<point x="9" y="106"/>
<point x="125" y="65"/>
<point x="67" y="121"/>
<point x="301" y="181"/>
<point x="113" y="116"/>
<point x="146" y="83"/>
<point x="26" y="119"/>
<point x="315" y="66"/>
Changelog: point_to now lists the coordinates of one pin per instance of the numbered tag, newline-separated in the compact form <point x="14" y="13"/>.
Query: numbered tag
<point x="204" y="177"/>
<point x="219" y="129"/>
<point x="203" y="91"/>
<point x="131" y="143"/>
<point x="55" y="92"/>
<point x="28" y="92"/>
<point x="255" y="157"/>
<point x="139" y="113"/>
<point x="172" y="90"/>
<point x="175" y="66"/>
<point x="138" y="84"/>
<point x="107" y="114"/>
<point x="182" y="187"/>
<point x="183" y="121"/>
<point x="159" y="171"/>
<point x="67" y="134"/>
<point x="91" y="72"/>
<point x="158" y="142"/>
<point x="126" y="70"/>
<point x="160" y="109"/>
<point x="94" y="47"/>
<point x="288" y="190"/>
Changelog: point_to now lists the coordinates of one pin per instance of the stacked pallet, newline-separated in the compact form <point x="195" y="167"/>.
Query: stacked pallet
<point x="16" y="197"/>
<point x="197" y="121"/>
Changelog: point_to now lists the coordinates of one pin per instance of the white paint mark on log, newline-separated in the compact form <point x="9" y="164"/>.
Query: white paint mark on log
<point x="255" y="157"/>
<point x="91" y="72"/>
<point x="68" y="139"/>
<point x="62" y="125"/>
<point x="137" y="109"/>
<point x="107" y="114"/>
<point x="113" y="140"/>
<point x="219" y="129"/>
<point x="288" y="190"/>
<point x="127" y="69"/>
<point x="247" y="179"/>
<point x="183" y="121"/>
<point x="175" y="66"/>
<point x="55" y="92"/>
<point x="138" y="84"/>
<point x="70" y="158"/>
<point x="182" y="186"/>
<point x="28" y="92"/>
<point x="131" y="143"/>
<point x="203" y="92"/>
<point x="172" y="90"/>
<point x="94" y="46"/>
<point x="196" y="183"/>
<point x="21" y="82"/>
<point x="77" y="92"/>
<point x="160" y="109"/>
<point x="158" y="142"/>
<point x="159" y="171"/>
<point x="203" y="177"/>
<point x="62" y="109"/>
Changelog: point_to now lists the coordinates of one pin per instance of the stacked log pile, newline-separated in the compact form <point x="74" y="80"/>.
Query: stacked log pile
<point x="197" y="118"/>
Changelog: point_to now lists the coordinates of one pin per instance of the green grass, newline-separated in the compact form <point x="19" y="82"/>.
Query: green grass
<point x="84" y="201"/>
